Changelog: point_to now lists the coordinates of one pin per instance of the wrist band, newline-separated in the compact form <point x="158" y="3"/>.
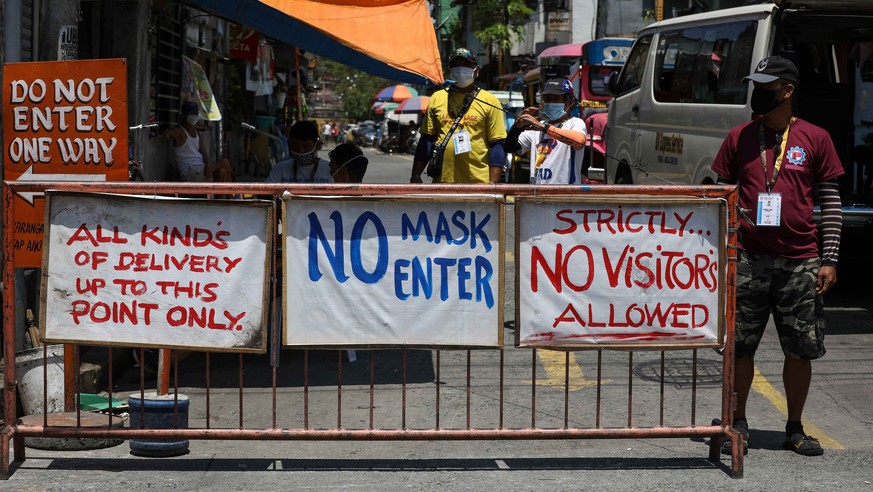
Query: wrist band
<point x="546" y="127"/>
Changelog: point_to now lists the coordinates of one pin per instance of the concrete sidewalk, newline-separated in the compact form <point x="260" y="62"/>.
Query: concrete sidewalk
<point x="840" y="413"/>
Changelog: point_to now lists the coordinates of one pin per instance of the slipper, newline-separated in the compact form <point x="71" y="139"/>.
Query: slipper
<point x="742" y="427"/>
<point x="803" y="444"/>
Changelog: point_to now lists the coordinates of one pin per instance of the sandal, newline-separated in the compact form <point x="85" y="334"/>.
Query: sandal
<point x="803" y="444"/>
<point x="742" y="427"/>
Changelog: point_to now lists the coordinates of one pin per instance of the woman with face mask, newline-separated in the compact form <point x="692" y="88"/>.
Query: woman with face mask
<point x="554" y="139"/>
<point x="474" y="150"/>
<point x="304" y="166"/>
<point x="192" y="160"/>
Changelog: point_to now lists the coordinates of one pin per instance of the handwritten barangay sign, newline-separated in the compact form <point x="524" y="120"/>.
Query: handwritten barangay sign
<point x="622" y="272"/>
<point x="145" y="272"/>
<point x="390" y="271"/>
<point x="62" y="121"/>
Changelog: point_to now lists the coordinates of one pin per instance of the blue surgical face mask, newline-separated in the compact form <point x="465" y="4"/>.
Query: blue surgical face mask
<point x="463" y="76"/>
<point x="553" y="111"/>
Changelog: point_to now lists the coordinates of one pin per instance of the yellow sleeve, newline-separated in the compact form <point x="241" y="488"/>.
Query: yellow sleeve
<point x="431" y="123"/>
<point x="496" y="121"/>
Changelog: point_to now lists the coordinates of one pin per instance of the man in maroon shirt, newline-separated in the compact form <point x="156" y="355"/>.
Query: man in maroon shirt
<point x="778" y="161"/>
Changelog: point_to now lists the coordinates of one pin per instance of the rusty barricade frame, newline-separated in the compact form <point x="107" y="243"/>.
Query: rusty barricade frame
<point x="14" y="430"/>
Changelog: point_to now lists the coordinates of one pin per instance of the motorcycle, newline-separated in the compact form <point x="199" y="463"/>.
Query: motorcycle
<point x="412" y="141"/>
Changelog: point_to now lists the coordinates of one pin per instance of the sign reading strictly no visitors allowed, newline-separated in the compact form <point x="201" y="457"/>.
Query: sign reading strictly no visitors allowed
<point x="62" y="121"/>
<point x="610" y="272"/>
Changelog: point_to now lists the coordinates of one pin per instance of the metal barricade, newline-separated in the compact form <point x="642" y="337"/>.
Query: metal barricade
<point x="521" y="408"/>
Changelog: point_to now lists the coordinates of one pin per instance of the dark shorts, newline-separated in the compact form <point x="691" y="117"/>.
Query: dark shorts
<point x="785" y="288"/>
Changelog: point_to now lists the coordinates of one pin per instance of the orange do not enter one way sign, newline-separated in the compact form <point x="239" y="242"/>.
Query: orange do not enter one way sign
<point x="62" y="121"/>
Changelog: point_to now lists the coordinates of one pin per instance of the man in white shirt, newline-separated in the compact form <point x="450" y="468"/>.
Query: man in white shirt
<point x="554" y="139"/>
<point x="192" y="161"/>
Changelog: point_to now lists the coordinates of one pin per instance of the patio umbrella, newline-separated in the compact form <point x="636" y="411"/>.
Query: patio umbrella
<point x="417" y="104"/>
<point x="396" y="93"/>
<point x="385" y="106"/>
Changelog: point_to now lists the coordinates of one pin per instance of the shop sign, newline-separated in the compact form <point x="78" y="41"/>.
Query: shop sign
<point x="243" y="42"/>
<point x="558" y="21"/>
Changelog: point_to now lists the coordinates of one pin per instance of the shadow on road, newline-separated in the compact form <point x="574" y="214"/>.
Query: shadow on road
<point x="257" y="372"/>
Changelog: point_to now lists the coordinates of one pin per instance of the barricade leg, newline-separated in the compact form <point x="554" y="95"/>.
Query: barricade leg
<point x="715" y="444"/>
<point x="736" y="452"/>
<point x="4" y="454"/>
<point x="18" y="448"/>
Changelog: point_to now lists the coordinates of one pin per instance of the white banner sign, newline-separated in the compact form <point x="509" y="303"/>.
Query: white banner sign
<point x="134" y="271"/>
<point x="393" y="272"/>
<point x="607" y="272"/>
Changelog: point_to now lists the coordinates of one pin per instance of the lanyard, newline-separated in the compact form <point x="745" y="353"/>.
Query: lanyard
<point x="783" y="145"/>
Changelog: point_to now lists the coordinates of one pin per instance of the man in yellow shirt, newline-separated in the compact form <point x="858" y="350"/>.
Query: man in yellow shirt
<point x="474" y="152"/>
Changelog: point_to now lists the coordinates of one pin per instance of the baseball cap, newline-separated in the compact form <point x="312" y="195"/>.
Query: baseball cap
<point x="465" y="54"/>
<point x="774" y="68"/>
<point x="557" y="87"/>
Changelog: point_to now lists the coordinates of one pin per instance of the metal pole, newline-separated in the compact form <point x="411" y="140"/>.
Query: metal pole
<point x="11" y="38"/>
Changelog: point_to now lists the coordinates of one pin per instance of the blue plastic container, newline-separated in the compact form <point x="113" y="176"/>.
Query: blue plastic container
<point x="157" y="412"/>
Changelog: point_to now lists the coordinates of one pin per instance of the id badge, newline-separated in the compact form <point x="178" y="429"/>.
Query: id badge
<point x="769" y="209"/>
<point x="462" y="142"/>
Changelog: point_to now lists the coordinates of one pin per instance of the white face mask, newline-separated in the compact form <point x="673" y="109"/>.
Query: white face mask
<point x="305" y="158"/>
<point x="463" y="76"/>
<point x="193" y="119"/>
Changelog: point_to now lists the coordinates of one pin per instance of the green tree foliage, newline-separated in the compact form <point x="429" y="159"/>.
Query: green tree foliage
<point x="354" y="87"/>
<point x="491" y="28"/>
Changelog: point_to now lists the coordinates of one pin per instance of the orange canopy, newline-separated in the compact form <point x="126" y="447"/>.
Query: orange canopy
<point x="394" y="39"/>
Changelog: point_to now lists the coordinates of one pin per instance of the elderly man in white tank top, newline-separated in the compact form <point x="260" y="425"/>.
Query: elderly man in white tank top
<point x="192" y="162"/>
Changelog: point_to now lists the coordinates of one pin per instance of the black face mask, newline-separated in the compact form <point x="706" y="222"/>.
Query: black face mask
<point x="765" y="100"/>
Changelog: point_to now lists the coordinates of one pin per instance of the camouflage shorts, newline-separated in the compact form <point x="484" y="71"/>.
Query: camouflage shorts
<point x="785" y="288"/>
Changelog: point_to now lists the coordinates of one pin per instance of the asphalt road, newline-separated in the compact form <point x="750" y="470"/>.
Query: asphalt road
<point x="839" y="413"/>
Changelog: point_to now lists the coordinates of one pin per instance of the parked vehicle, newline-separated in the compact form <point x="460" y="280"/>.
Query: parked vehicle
<point x="681" y="90"/>
<point x="599" y="60"/>
<point x="365" y="135"/>
<point x="389" y="139"/>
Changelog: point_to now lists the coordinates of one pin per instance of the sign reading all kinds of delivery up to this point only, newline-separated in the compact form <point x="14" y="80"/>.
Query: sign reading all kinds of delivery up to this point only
<point x="144" y="272"/>
<point x="62" y="121"/>
<point x="598" y="272"/>
<point x="393" y="271"/>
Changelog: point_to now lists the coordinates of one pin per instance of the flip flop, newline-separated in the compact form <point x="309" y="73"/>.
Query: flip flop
<point x="803" y="444"/>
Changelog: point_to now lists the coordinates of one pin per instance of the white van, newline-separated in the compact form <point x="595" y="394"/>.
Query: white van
<point x="681" y="89"/>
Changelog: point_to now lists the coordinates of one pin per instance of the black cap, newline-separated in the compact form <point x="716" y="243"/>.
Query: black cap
<point x="465" y="54"/>
<point x="774" y="68"/>
<point x="190" y="107"/>
<point x="304" y="130"/>
<point x="557" y="87"/>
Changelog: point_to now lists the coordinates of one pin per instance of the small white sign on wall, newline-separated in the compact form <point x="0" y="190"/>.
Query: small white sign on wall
<point x="559" y="21"/>
<point x="173" y="273"/>
<point x="68" y="43"/>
